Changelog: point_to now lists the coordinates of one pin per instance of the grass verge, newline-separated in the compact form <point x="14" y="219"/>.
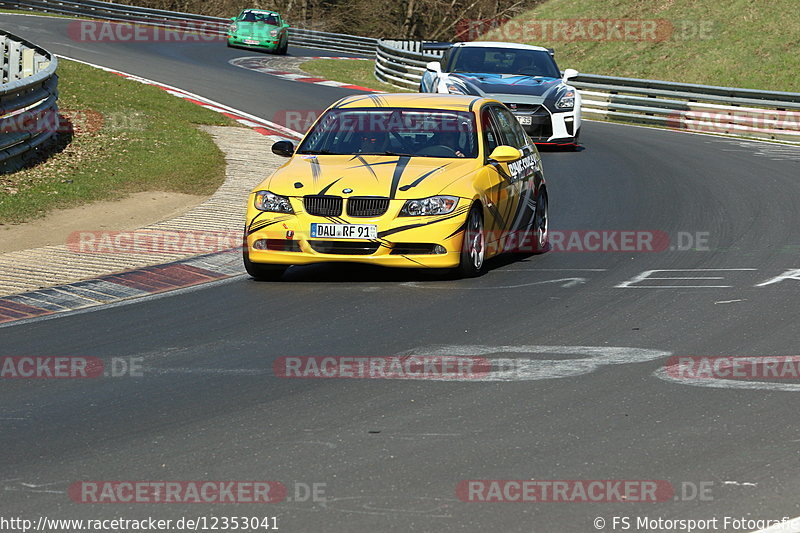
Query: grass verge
<point x="127" y="137"/>
<point x="738" y="43"/>
<point x="349" y="71"/>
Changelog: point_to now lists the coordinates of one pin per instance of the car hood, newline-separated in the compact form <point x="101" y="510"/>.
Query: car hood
<point x="259" y="28"/>
<point x="511" y="83"/>
<point x="398" y="177"/>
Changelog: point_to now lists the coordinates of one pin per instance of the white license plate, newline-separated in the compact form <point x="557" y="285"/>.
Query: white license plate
<point x="344" y="231"/>
<point x="251" y="41"/>
<point x="525" y="120"/>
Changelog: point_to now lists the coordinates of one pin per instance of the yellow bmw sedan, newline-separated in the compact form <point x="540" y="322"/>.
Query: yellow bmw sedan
<point x="401" y="180"/>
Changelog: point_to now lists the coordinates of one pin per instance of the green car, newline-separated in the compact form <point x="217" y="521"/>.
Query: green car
<point x="261" y="29"/>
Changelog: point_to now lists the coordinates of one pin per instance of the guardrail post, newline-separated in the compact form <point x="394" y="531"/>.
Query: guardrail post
<point x="27" y="62"/>
<point x="3" y="53"/>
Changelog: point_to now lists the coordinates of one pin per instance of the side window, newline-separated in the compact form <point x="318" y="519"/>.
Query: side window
<point x="491" y="137"/>
<point x="509" y="128"/>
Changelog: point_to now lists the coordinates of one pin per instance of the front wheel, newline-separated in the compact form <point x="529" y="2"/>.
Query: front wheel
<point x="260" y="271"/>
<point x="473" y="247"/>
<point x="541" y="225"/>
<point x="282" y="48"/>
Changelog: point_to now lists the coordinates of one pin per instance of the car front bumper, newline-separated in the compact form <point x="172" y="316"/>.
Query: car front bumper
<point x="266" y="44"/>
<point x="410" y="242"/>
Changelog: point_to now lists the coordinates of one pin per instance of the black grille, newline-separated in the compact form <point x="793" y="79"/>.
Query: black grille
<point x="368" y="206"/>
<point x="528" y="108"/>
<point x="413" y="248"/>
<point x="344" y="247"/>
<point x="323" y="206"/>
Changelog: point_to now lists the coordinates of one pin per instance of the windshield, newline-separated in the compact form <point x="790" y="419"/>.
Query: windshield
<point x="251" y="16"/>
<point x="417" y="132"/>
<point x="503" y="61"/>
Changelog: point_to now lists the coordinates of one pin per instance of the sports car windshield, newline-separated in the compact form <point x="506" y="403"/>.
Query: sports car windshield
<point x="503" y="61"/>
<point x="417" y="132"/>
<point x="251" y="16"/>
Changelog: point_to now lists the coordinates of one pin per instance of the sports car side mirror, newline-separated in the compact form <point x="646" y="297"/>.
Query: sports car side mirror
<point x="505" y="154"/>
<point x="569" y="73"/>
<point x="434" y="66"/>
<point x="283" y="148"/>
<point x="233" y="19"/>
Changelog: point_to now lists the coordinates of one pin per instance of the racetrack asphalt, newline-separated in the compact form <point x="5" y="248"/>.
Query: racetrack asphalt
<point x="391" y="453"/>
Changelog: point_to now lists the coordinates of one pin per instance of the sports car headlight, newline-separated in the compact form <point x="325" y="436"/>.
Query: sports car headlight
<point x="452" y="88"/>
<point x="567" y="101"/>
<point x="273" y="32"/>
<point x="266" y="201"/>
<point x="233" y="28"/>
<point x="435" y="205"/>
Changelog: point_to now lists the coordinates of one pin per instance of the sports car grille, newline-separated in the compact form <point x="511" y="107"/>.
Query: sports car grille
<point x="323" y="206"/>
<point x="344" y="247"/>
<point x="367" y="206"/>
<point x="529" y="108"/>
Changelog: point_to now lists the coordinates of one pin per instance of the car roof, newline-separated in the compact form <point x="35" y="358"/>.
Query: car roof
<point x="264" y="11"/>
<point x="498" y="44"/>
<point x="447" y="102"/>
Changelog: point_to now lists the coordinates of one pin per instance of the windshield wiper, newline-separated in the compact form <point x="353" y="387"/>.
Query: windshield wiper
<point x="319" y="152"/>
<point x="385" y="153"/>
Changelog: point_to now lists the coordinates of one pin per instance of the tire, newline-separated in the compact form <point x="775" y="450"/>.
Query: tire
<point x="282" y="49"/>
<point x="541" y="225"/>
<point x="260" y="271"/>
<point x="473" y="247"/>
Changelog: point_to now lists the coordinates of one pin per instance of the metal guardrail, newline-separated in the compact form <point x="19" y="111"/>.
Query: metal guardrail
<point x="702" y="108"/>
<point x="186" y="21"/>
<point x="28" y="99"/>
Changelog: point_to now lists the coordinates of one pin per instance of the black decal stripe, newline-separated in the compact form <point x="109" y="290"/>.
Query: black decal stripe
<point x="323" y="191"/>
<point x="402" y="162"/>
<point x="369" y="167"/>
<point x="412" y="226"/>
<point x="254" y="228"/>
<point x="367" y="164"/>
<point x="421" y="178"/>
<point x="460" y="229"/>
<point x="414" y="261"/>
<point x="316" y="171"/>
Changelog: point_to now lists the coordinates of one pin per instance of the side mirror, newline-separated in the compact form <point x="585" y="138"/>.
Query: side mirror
<point x="569" y="73"/>
<point x="505" y="154"/>
<point x="283" y="148"/>
<point x="233" y="19"/>
<point x="434" y="66"/>
<point x="285" y="24"/>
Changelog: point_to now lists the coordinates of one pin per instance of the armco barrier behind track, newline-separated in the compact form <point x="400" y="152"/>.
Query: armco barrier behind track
<point x="28" y="100"/>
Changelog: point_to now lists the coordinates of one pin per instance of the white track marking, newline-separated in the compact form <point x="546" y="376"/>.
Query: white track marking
<point x="791" y="526"/>
<point x="717" y="383"/>
<point x="566" y="283"/>
<point x="535" y="367"/>
<point x="646" y="276"/>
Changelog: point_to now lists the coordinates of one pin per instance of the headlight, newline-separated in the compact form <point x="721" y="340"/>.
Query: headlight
<point x="567" y="101"/>
<point x="266" y="201"/>
<point x="455" y="89"/>
<point x="273" y="32"/>
<point x="233" y="28"/>
<point x="435" y="205"/>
